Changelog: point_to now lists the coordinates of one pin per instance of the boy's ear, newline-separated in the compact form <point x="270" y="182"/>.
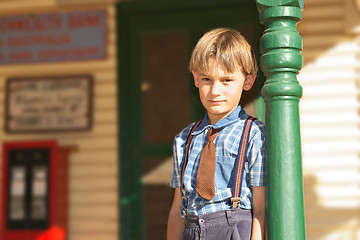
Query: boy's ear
<point x="249" y="82"/>
<point x="196" y="80"/>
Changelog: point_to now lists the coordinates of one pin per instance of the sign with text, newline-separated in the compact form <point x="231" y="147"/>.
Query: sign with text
<point x="52" y="37"/>
<point x="48" y="104"/>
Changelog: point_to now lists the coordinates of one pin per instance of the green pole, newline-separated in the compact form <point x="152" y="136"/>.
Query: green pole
<point x="281" y="61"/>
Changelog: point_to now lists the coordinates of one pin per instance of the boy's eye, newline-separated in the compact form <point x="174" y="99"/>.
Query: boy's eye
<point x="227" y="80"/>
<point x="205" y="79"/>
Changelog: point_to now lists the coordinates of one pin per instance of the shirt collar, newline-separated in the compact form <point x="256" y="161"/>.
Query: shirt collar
<point x="234" y="116"/>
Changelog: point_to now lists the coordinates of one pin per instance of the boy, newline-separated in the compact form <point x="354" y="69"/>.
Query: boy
<point x="223" y="65"/>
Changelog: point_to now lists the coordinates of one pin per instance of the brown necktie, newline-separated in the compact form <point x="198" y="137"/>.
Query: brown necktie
<point x="205" y="181"/>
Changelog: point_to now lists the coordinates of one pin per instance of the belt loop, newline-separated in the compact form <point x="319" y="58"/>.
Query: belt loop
<point x="229" y="218"/>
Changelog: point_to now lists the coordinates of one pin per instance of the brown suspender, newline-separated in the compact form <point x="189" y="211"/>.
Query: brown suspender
<point x="239" y="163"/>
<point x="188" y="141"/>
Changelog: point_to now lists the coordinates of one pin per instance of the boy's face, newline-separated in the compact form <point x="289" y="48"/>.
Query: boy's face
<point x="220" y="91"/>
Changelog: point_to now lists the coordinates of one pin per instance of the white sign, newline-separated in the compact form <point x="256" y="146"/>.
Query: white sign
<point x="48" y="104"/>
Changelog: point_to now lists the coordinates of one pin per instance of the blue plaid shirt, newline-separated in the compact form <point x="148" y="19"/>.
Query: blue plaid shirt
<point x="227" y="144"/>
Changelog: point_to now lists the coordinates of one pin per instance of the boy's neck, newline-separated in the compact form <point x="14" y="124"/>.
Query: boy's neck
<point x="213" y="118"/>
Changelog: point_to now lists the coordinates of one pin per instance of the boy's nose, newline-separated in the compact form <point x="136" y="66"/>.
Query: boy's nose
<point x="215" y="90"/>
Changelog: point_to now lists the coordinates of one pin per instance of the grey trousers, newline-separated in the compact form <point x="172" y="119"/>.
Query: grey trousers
<point x="233" y="224"/>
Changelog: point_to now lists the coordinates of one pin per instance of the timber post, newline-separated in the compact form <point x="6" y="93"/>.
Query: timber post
<point x="281" y="61"/>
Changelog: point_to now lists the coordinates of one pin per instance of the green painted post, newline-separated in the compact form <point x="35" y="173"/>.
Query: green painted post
<point x="281" y="61"/>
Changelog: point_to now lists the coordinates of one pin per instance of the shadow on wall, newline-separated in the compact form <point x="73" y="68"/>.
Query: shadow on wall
<point x="340" y="223"/>
<point x="329" y="112"/>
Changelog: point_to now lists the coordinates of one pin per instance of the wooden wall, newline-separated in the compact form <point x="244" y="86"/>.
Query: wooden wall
<point x="93" y="213"/>
<point x="329" y="113"/>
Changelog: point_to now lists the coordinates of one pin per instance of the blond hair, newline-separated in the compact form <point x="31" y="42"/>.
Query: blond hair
<point x="228" y="48"/>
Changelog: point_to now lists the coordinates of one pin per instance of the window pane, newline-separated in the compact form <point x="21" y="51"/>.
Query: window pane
<point x="39" y="193"/>
<point x="17" y="193"/>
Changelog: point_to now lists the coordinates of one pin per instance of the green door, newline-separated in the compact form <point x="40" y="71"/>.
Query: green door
<point x="157" y="98"/>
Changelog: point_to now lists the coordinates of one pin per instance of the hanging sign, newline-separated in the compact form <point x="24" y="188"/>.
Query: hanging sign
<point x="52" y="37"/>
<point x="48" y="104"/>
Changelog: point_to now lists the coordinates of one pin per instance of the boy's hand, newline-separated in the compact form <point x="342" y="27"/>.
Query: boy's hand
<point x="175" y="225"/>
<point x="258" y="227"/>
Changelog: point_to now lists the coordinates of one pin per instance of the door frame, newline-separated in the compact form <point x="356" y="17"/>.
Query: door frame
<point x="130" y="22"/>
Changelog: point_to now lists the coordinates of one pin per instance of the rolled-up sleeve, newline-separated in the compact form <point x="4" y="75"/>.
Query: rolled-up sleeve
<point x="176" y="174"/>
<point x="257" y="157"/>
<point x="178" y="156"/>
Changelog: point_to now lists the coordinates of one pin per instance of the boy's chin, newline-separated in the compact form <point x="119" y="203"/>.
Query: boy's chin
<point x="219" y="110"/>
<point x="218" y="114"/>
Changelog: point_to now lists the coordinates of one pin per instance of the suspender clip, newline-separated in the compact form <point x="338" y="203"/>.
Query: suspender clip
<point x="235" y="201"/>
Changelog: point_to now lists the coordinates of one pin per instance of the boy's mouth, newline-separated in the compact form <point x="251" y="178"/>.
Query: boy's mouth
<point x="216" y="101"/>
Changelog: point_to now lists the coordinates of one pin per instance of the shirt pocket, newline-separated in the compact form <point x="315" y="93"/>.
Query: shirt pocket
<point x="224" y="171"/>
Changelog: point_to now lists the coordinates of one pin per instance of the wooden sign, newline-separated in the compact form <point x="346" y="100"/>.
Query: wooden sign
<point x="48" y="104"/>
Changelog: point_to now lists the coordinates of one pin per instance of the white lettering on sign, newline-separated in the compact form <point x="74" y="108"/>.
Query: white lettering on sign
<point x="53" y="37"/>
<point x="49" y="104"/>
